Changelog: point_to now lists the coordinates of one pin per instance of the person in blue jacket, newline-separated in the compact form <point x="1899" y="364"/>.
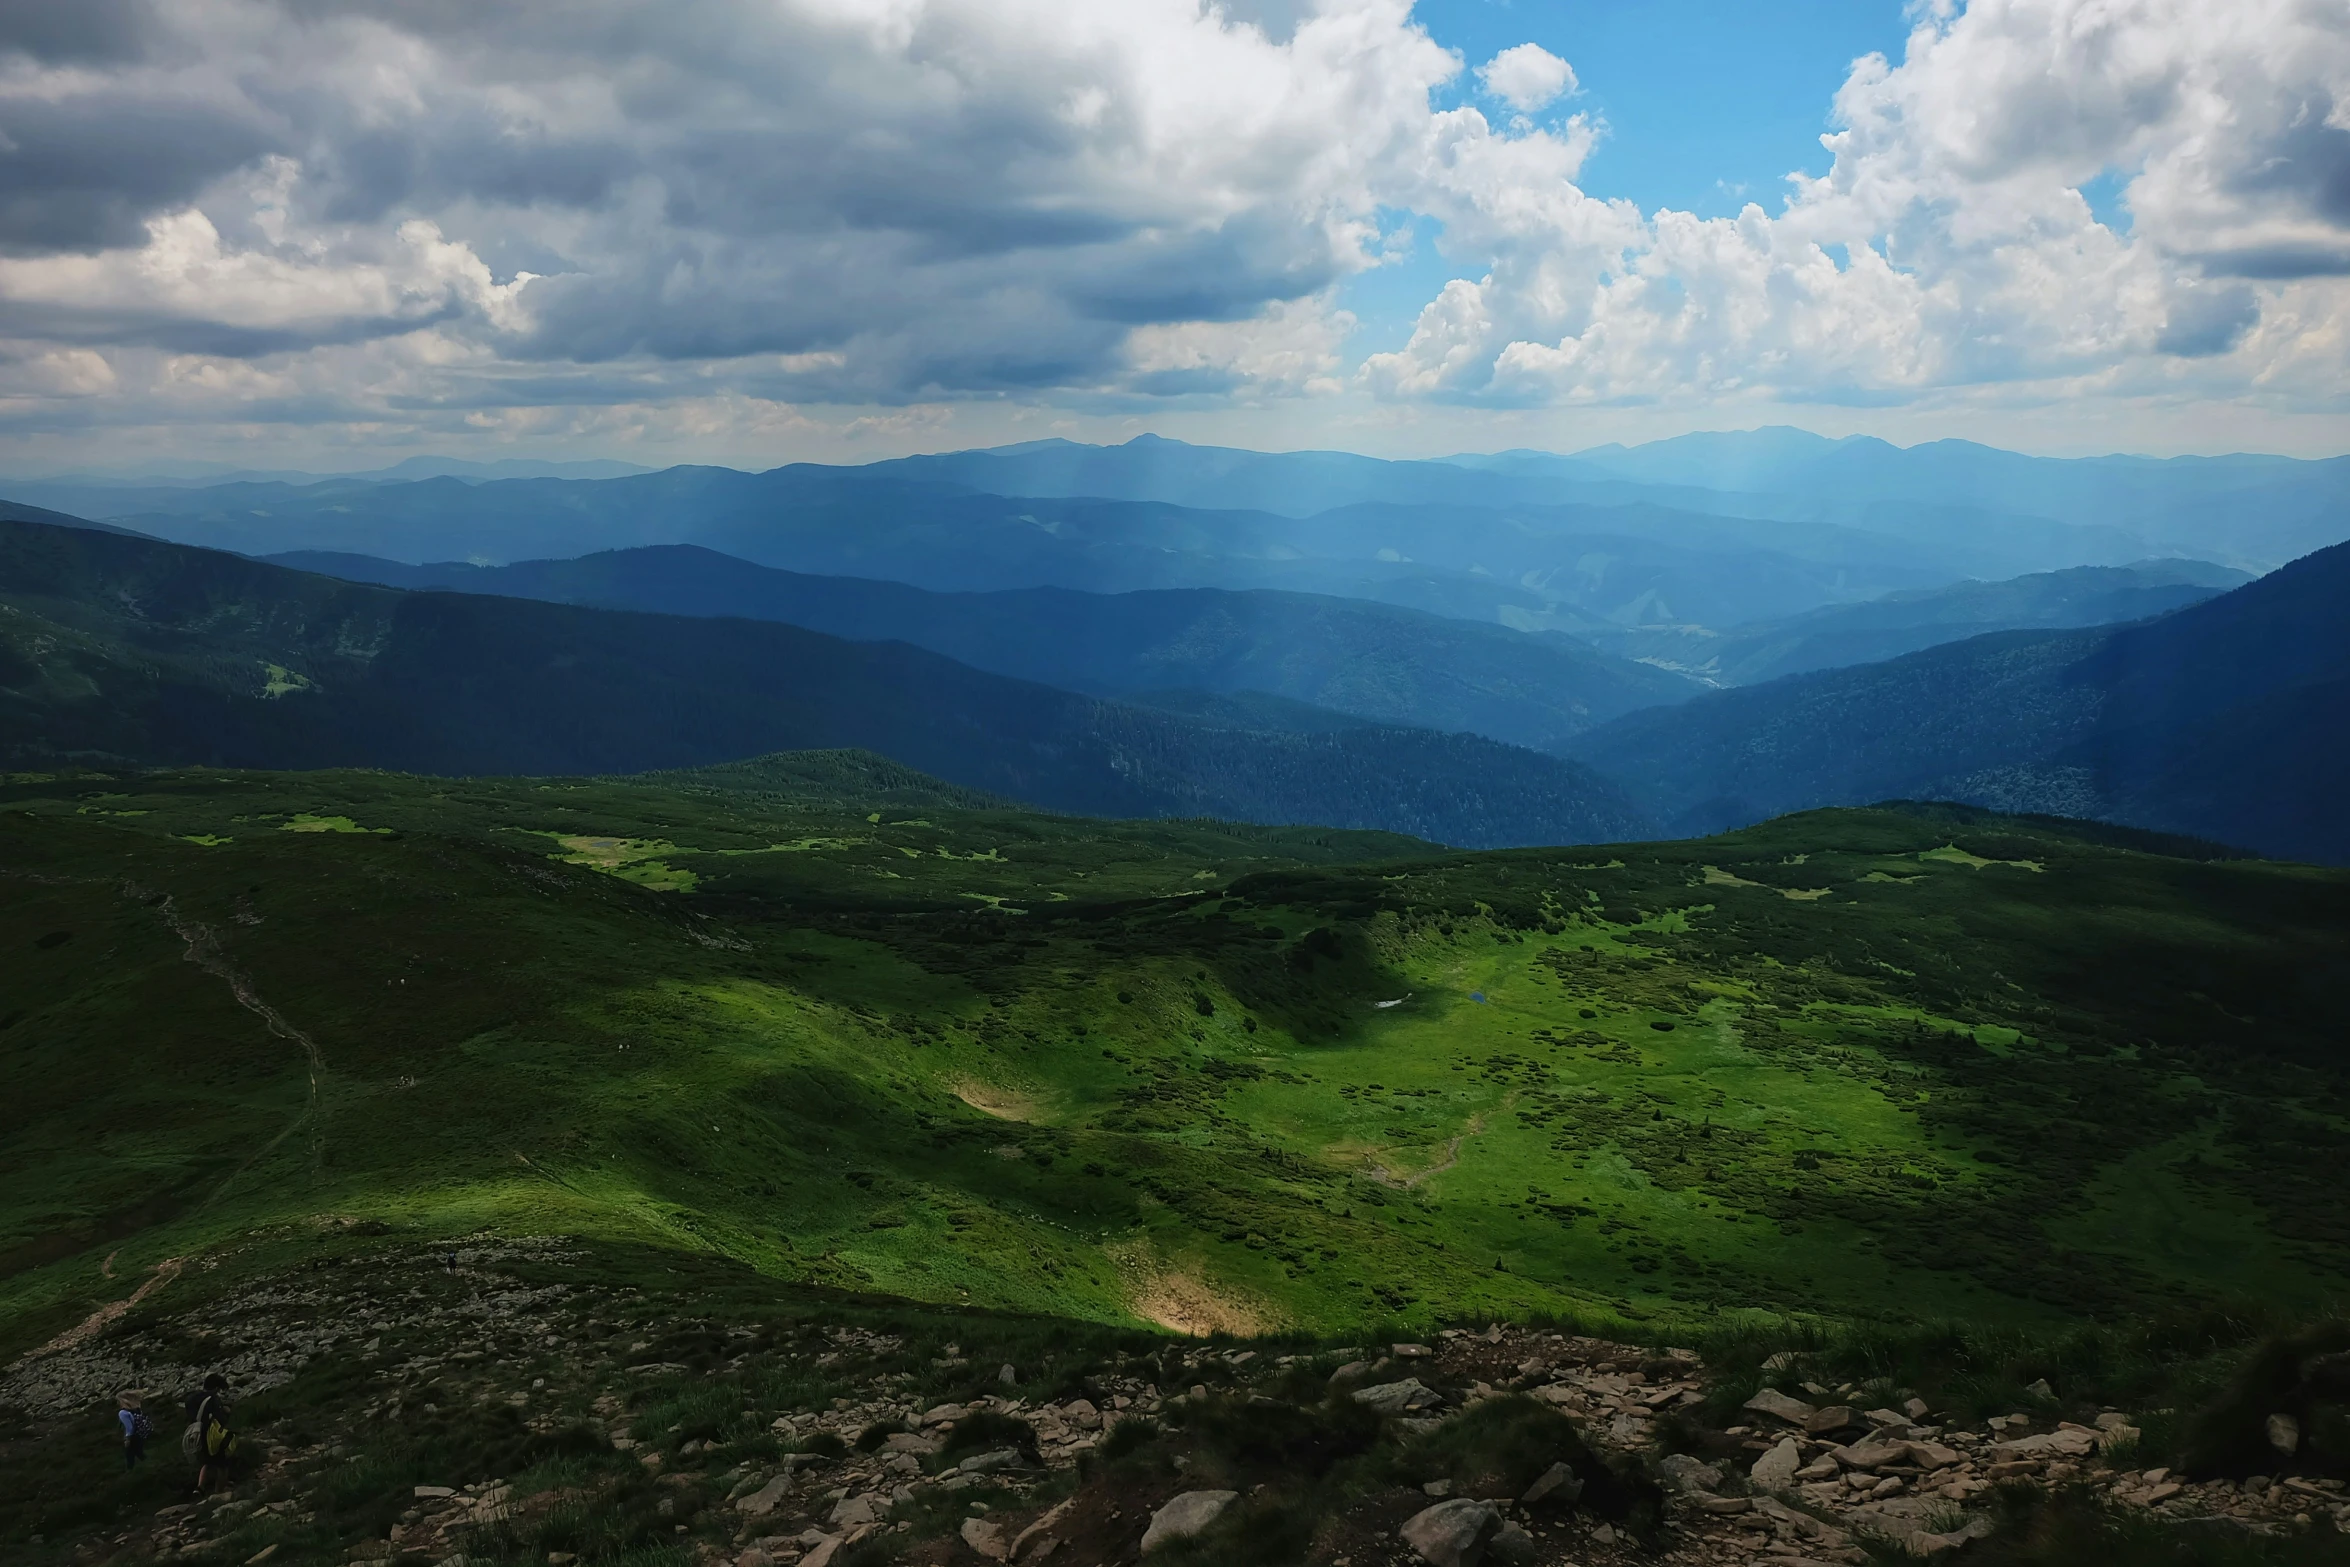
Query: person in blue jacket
<point x="136" y="1428"/>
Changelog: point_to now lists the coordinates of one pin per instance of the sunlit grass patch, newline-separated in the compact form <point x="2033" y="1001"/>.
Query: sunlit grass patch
<point x="1952" y="854"/>
<point x="280" y="680"/>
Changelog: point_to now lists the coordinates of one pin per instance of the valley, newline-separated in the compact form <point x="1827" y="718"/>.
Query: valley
<point x="850" y="1036"/>
<point x="643" y="1056"/>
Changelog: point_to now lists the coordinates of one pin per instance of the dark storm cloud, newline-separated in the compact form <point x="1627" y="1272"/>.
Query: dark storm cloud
<point x="2209" y="321"/>
<point x="87" y="171"/>
<point x="932" y="198"/>
<point x="79" y="32"/>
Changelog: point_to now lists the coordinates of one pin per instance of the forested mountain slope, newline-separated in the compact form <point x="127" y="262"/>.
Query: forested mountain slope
<point x="2224" y="720"/>
<point x="121" y="649"/>
<point x="1375" y="661"/>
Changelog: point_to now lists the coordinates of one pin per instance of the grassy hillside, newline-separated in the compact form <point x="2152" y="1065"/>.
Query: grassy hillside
<point x="1869" y="1065"/>
<point x="123" y="649"/>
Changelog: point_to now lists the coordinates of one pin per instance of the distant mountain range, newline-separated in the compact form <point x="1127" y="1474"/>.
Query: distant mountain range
<point x="2245" y="510"/>
<point x="118" y="650"/>
<point x="1373" y="661"/>
<point x="1570" y="567"/>
<point x="172" y="476"/>
<point x="1289" y="637"/>
<point x="2227" y="720"/>
<point x="1841" y="634"/>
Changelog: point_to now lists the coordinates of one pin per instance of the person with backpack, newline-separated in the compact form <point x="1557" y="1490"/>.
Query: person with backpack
<point x="136" y="1428"/>
<point x="214" y="1441"/>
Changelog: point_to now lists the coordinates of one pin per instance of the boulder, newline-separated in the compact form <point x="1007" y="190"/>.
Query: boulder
<point x="1511" y="1544"/>
<point x="1776" y="1468"/>
<point x="1558" y="1485"/>
<point x="764" y="1500"/>
<point x="1185" y="1516"/>
<point x="1930" y="1455"/>
<point x="1452" y="1534"/>
<point x="2284" y="1434"/>
<point x="1687" y="1474"/>
<point x="990" y="1462"/>
<point x="2068" y="1442"/>
<point x="1396" y="1398"/>
<point x="1770" y="1401"/>
<point x="1925" y="1543"/>
<point x="1836" y="1417"/>
<point x="1041" y="1531"/>
<point x="1869" y="1452"/>
<point x="850" y="1511"/>
<point x="1787" y="1520"/>
<point x="987" y="1539"/>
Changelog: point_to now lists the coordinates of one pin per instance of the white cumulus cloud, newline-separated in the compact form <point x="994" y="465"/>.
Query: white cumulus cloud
<point x="1951" y="245"/>
<point x="504" y="214"/>
<point x="1527" y="77"/>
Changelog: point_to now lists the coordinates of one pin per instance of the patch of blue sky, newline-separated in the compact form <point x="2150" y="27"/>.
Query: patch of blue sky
<point x="1707" y="104"/>
<point x="1388" y="298"/>
<point x="2104" y="195"/>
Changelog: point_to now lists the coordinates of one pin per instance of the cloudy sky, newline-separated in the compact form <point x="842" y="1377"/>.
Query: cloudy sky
<point x="330" y="233"/>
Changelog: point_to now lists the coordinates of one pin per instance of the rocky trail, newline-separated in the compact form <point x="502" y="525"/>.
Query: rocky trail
<point x="510" y="1402"/>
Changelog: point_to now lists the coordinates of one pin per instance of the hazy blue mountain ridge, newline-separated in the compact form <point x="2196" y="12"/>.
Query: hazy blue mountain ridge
<point x="1373" y="661"/>
<point x="118" y="649"/>
<point x="2245" y="509"/>
<point x="2224" y="720"/>
<point x="1904" y="622"/>
<point x="1563" y="568"/>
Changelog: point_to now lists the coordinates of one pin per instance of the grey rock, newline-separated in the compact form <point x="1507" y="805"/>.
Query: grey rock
<point x="1776" y="1468"/>
<point x="991" y="1462"/>
<point x="1452" y="1534"/>
<point x="1836" y="1417"/>
<point x="1511" y="1544"/>
<point x="1688" y="1474"/>
<point x="1869" y="1452"/>
<point x="987" y="1539"/>
<point x="1559" y="1486"/>
<point x="1770" y="1401"/>
<point x="1185" y="1516"/>
<point x="1395" y="1398"/>
<point x="2284" y="1434"/>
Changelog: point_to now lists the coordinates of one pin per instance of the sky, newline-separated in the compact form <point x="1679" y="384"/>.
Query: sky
<point x="333" y="233"/>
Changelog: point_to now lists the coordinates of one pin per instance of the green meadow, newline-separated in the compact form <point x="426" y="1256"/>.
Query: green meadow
<point x="857" y="1030"/>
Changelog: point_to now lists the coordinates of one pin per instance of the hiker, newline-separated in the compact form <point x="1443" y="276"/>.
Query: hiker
<point x="135" y="1428"/>
<point x="215" y="1443"/>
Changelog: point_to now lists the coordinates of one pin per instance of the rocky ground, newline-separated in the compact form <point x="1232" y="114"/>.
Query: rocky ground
<point x="506" y="1403"/>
